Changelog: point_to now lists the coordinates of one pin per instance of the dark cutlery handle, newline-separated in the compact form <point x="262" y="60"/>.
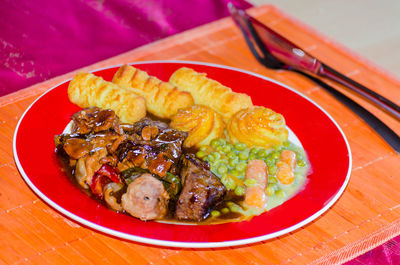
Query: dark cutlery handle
<point x="381" y="128"/>
<point x="379" y="100"/>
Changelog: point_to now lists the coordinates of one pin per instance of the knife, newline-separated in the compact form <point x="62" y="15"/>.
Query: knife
<point x="276" y="52"/>
<point x="290" y="54"/>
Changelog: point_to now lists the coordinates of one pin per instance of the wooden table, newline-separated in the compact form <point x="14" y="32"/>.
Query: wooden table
<point x="366" y="215"/>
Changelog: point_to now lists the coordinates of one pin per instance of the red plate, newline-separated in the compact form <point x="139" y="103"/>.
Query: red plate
<point x="323" y="140"/>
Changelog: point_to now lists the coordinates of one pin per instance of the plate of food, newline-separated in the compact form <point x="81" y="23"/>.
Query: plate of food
<point x="182" y="154"/>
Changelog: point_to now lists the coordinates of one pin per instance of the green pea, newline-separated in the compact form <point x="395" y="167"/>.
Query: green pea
<point x="252" y="156"/>
<point x="222" y="169"/>
<point x="272" y="180"/>
<point x="239" y="191"/>
<point x="201" y="154"/>
<point x="270" y="191"/>
<point x="262" y="153"/>
<point x="286" y="144"/>
<point x="220" y="161"/>
<point x="250" y="182"/>
<point x="210" y="158"/>
<point x="240" y="146"/>
<point x="233" y="162"/>
<point x="225" y="210"/>
<point x="275" y="155"/>
<point x="214" y="143"/>
<point x="216" y="155"/>
<point x="226" y="149"/>
<point x="269" y="161"/>
<point x="243" y="155"/>
<point x="228" y="182"/>
<point x="272" y="169"/>
<point x="215" y="213"/>
<point x="231" y="155"/>
<point x="301" y="163"/>
<point x="241" y="166"/>
<point x="234" y="207"/>
<point x="254" y="150"/>
<point x="234" y="173"/>
<point x="280" y="193"/>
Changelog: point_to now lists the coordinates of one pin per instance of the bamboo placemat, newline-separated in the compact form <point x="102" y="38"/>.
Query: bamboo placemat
<point x="366" y="215"/>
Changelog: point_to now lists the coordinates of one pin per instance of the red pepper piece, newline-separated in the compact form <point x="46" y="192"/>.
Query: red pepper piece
<point x="102" y="177"/>
<point x="98" y="182"/>
<point x="110" y="172"/>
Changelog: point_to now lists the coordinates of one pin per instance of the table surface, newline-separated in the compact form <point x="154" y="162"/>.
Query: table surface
<point x="366" y="215"/>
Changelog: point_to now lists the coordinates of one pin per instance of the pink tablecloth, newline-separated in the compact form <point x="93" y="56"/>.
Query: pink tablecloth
<point x="42" y="39"/>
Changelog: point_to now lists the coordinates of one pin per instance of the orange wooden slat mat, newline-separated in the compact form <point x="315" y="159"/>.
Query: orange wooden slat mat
<point x="366" y="215"/>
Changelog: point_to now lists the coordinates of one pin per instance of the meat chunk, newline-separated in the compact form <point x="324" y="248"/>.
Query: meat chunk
<point x="137" y="127"/>
<point x="93" y="119"/>
<point x="76" y="147"/>
<point x="171" y="141"/>
<point x="159" y="150"/>
<point x="146" y="198"/>
<point x="87" y="166"/>
<point x="202" y="190"/>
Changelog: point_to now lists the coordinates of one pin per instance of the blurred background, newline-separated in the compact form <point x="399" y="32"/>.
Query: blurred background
<point x="371" y="28"/>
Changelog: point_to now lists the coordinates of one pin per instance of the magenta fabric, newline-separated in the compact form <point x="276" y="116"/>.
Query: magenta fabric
<point x="42" y="39"/>
<point x="387" y="254"/>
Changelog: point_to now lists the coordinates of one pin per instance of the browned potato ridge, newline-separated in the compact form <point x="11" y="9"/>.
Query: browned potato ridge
<point x="210" y="93"/>
<point x="162" y="98"/>
<point x="88" y="90"/>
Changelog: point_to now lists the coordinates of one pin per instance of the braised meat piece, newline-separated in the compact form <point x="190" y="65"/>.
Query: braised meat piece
<point x="152" y="145"/>
<point x="202" y="190"/>
<point x="76" y="147"/>
<point x="137" y="127"/>
<point x="146" y="198"/>
<point x="88" y="152"/>
<point x="93" y="120"/>
<point x="171" y="142"/>
<point x="86" y="166"/>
